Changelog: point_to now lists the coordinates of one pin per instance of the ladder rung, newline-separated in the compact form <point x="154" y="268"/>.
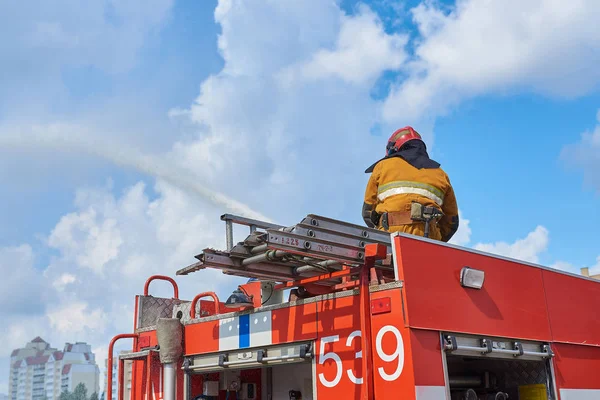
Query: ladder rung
<point x="190" y="268"/>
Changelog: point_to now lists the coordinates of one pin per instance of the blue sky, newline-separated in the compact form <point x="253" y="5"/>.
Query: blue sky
<point x="114" y="120"/>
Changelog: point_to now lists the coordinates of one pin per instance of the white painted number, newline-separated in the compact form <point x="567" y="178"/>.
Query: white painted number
<point x="397" y="354"/>
<point x="351" y="376"/>
<point x="334" y="357"/>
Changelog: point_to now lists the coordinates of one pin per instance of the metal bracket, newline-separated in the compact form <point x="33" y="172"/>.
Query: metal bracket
<point x="260" y="354"/>
<point x="451" y="344"/>
<point x="518" y="347"/>
<point x="222" y="360"/>
<point x="487" y="344"/>
<point x="548" y="350"/>
<point x="304" y="350"/>
<point x="186" y="364"/>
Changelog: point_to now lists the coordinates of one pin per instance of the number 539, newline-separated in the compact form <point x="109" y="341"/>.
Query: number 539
<point x="398" y="355"/>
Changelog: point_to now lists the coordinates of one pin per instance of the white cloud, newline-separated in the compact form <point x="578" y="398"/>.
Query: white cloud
<point x="361" y="52"/>
<point x="525" y="249"/>
<point x="463" y="235"/>
<point x="497" y="46"/>
<point x="73" y="318"/>
<point x="106" y="34"/>
<point x="22" y="286"/>
<point x="586" y="155"/>
<point x="99" y="245"/>
<point x="63" y="281"/>
<point x="279" y="126"/>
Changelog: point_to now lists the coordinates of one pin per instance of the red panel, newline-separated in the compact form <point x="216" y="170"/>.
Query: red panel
<point x="147" y="339"/>
<point x="180" y="374"/>
<point x="375" y="251"/>
<point x="138" y="384"/>
<point x="338" y="350"/>
<point x="196" y="385"/>
<point x="511" y="303"/>
<point x="577" y="367"/>
<point x="156" y="378"/>
<point x="573" y="308"/>
<point x="292" y="324"/>
<point x="381" y="306"/>
<point x="144" y="341"/>
<point x="427" y="358"/>
<point x="337" y="354"/>
<point x="393" y="374"/>
<point x="201" y="338"/>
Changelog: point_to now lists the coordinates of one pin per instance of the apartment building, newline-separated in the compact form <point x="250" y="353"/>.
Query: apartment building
<point x="127" y="374"/>
<point x="39" y="372"/>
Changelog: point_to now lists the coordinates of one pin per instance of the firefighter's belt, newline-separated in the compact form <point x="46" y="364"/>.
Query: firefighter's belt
<point x="397" y="218"/>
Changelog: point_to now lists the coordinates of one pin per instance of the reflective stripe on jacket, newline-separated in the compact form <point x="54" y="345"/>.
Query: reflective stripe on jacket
<point x="394" y="184"/>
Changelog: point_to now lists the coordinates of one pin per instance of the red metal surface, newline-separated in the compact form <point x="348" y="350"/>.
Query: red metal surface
<point x="201" y="295"/>
<point x="365" y="326"/>
<point x="576" y="367"/>
<point x="201" y="338"/>
<point x="573" y="308"/>
<point x="381" y="306"/>
<point x="428" y="366"/>
<point x="121" y="380"/>
<point x="375" y="251"/>
<point x="294" y="324"/>
<point x="149" y="376"/>
<point x="338" y="348"/>
<point x="393" y="375"/>
<point x="180" y="375"/>
<point x="511" y="302"/>
<point x="110" y="361"/>
<point x="143" y="342"/>
<point x="138" y="380"/>
<point x="312" y="279"/>
<point x="162" y="278"/>
<point x="254" y="291"/>
<point x="347" y="285"/>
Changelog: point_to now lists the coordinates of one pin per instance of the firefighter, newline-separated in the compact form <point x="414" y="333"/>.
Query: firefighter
<point x="409" y="192"/>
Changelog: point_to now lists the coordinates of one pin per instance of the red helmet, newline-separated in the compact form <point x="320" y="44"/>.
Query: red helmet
<point x="399" y="137"/>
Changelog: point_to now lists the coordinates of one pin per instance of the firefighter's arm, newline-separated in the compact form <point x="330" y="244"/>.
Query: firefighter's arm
<point x="369" y="215"/>
<point x="449" y="222"/>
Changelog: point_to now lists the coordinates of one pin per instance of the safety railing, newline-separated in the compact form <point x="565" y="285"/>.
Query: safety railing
<point x="201" y="295"/>
<point x="162" y="278"/>
<point x="109" y="370"/>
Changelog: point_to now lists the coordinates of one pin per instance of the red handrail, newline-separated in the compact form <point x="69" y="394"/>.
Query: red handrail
<point x="162" y="278"/>
<point x="110" y="363"/>
<point x="198" y="297"/>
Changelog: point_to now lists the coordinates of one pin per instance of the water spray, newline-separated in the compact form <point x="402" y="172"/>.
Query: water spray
<point x="54" y="137"/>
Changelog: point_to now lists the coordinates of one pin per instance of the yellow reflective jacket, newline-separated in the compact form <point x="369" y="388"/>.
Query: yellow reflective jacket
<point x="395" y="184"/>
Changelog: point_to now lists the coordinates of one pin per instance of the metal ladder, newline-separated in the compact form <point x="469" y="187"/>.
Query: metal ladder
<point x="314" y="247"/>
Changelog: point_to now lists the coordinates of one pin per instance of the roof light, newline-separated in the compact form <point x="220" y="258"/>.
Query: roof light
<point x="239" y="299"/>
<point x="472" y="278"/>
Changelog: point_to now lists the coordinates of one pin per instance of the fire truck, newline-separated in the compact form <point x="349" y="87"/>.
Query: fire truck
<point x="333" y="310"/>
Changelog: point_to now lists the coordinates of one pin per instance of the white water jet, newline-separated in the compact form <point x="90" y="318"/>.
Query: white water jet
<point x="60" y="137"/>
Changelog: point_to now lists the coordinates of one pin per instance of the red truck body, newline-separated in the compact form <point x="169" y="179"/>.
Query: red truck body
<point x="419" y="331"/>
